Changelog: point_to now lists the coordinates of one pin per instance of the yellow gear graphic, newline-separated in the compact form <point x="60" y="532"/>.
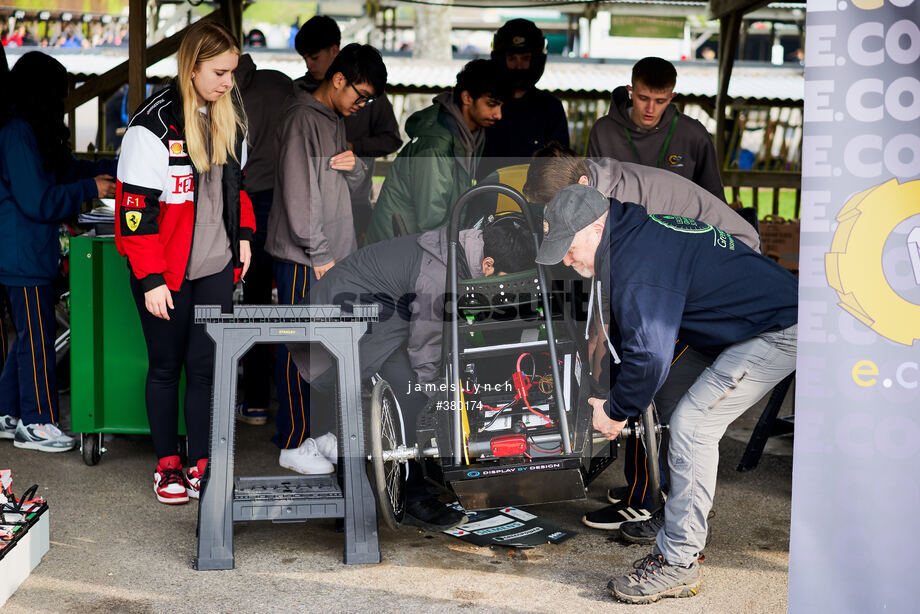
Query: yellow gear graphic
<point x="854" y="263"/>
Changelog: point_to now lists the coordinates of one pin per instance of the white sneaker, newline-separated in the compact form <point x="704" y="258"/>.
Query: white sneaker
<point x="8" y="426"/>
<point x="305" y="459"/>
<point x="42" y="437"/>
<point x="328" y="446"/>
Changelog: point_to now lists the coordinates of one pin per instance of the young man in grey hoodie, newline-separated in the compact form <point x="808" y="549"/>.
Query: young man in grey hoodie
<point x="439" y="163"/>
<point x="659" y="192"/>
<point x="643" y="126"/>
<point x="310" y="224"/>
<point x="371" y="133"/>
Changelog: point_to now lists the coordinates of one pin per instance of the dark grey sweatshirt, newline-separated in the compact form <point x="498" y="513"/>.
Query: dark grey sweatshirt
<point x="690" y="152"/>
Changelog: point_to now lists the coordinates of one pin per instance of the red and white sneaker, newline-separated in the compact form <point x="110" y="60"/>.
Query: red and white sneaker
<point x="193" y="478"/>
<point x="168" y="481"/>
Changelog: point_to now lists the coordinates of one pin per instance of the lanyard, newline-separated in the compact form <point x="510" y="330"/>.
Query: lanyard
<point x="664" y="148"/>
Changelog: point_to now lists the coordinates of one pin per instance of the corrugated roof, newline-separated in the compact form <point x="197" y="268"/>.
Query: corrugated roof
<point x="696" y="79"/>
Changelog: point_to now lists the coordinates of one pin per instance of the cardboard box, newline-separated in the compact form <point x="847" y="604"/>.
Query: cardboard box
<point x="780" y="241"/>
<point x="19" y="558"/>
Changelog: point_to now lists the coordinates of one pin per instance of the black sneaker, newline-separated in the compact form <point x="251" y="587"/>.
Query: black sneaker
<point x="645" y="531"/>
<point x="432" y="515"/>
<point x="655" y="578"/>
<point x="610" y="518"/>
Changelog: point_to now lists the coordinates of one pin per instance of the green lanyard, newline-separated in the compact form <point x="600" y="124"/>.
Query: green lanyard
<point x="664" y="148"/>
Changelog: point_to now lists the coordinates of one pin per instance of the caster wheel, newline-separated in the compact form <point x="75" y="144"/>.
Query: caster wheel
<point x="91" y="448"/>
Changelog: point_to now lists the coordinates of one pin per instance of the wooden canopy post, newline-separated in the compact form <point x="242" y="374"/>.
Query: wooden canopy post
<point x="729" y="30"/>
<point x="137" y="50"/>
<point x="232" y="12"/>
<point x="116" y="77"/>
<point x="729" y="13"/>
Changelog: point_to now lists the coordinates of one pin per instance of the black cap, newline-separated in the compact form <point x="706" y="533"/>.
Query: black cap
<point x="572" y="208"/>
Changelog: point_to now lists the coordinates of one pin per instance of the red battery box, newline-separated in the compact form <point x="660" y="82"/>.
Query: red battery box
<point x="508" y="445"/>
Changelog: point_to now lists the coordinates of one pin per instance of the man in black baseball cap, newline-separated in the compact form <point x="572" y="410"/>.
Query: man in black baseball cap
<point x="667" y="277"/>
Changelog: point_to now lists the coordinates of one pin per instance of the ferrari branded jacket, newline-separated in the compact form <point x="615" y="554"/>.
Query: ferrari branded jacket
<point x="156" y="195"/>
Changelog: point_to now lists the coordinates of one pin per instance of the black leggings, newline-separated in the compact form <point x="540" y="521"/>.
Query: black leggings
<point x="170" y="345"/>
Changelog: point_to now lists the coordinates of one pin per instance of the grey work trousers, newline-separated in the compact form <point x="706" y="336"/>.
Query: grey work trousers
<point x="738" y="377"/>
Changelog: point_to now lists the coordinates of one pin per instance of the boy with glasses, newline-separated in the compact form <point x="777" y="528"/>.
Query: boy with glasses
<point x="371" y="133"/>
<point x="310" y="225"/>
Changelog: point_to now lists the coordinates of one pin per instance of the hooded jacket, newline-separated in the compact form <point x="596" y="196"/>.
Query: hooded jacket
<point x="527" y="124"/>
<point x="373" y="132"/>
<point x="661" y="192"/>
<point x="435" y="167"/>
<point x="156" y="195"/>
<point x="310" y="221"/>
<point x="264" y="93"/>
<point x="407" y="277"/>
<point x="671" y="277"/>
<point x="690" y="152"/>
<point x="33" y="203"/>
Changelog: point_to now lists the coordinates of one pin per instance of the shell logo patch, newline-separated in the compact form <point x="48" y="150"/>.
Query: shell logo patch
<point x="133" y="218"/>
<point x="854" y="264"/>
<point x="176" y="149"/>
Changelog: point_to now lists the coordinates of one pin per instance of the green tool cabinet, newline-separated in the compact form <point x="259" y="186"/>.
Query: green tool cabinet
<point x="107" y="352"/>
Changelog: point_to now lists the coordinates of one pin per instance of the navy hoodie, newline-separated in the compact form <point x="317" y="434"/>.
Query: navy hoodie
<point x="673" y="277"/>
<point x="33" y="203"/>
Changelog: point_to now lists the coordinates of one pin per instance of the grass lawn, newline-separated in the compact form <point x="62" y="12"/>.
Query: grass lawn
<point x="765" y="201"/>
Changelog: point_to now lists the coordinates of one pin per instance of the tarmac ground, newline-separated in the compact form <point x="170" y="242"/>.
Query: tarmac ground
<point x="115" y="549"/>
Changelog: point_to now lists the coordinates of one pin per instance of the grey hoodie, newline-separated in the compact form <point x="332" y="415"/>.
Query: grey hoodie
<point x="412" y="268"/>
<point x="662" y="192"/>
<point x="690" y="152"/>
<point x="311" y="221"/>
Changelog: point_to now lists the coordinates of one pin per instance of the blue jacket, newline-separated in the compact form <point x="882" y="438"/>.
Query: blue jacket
<point x="673" y="277"/>
<point x="33" y="203"/>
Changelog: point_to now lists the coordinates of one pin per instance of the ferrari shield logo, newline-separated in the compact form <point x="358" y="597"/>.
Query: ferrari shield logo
<point x="134" y="219"/>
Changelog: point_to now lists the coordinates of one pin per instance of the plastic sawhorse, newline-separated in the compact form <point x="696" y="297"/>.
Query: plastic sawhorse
<point x="286" y="498"/>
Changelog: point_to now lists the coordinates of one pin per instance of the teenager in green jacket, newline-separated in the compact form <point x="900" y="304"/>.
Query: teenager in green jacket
<point x="439" y="162"/>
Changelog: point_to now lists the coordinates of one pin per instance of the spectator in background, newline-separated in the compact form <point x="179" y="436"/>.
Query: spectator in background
<point x="310" y="227"/>
<point x="370" y="133"/>
<point x="264" y="93"/>
<point x="531" y="118"/>
<point x="439" y="162"/>
<point x="645" y="127"/>
<point x="41" y="184"/>
<point x="256" y="39"/>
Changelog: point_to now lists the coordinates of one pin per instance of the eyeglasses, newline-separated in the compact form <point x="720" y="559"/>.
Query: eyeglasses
<point x="362" y="99"/>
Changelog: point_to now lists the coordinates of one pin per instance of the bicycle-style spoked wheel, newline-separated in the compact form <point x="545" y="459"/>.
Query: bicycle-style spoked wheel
<point x="385" y="437"/>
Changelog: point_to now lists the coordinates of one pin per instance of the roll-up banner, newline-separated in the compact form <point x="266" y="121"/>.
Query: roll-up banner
<point x="855" y="536"/>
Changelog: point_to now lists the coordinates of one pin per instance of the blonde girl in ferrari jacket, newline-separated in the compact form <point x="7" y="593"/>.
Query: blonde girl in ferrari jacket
<point x="185" y="225"/>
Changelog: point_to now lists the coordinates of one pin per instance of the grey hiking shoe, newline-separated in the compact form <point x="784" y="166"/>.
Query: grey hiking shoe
<point x="42" y="437"/>
<point x="654" y="579"/>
